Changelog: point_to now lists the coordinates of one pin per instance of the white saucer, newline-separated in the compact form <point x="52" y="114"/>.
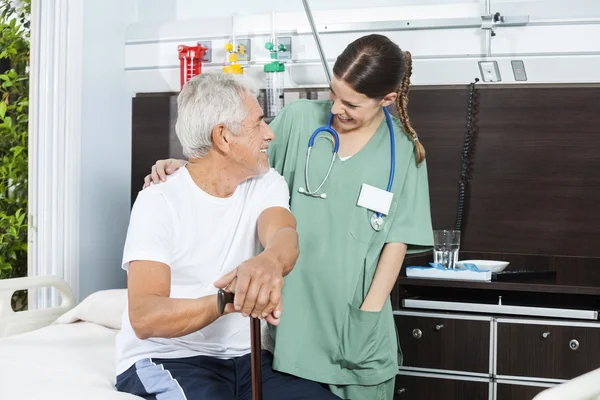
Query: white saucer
<point x="489" y="265"/>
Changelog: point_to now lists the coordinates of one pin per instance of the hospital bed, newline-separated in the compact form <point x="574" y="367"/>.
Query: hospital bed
<point x="67" y="352"/>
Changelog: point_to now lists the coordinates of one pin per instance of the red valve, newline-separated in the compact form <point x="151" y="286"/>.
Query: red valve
<point x="190" y="61"/>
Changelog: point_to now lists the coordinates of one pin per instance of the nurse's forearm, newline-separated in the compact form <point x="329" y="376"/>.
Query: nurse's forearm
<point x="386" y="275"/>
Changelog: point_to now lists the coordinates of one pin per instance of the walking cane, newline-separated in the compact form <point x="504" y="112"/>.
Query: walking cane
<point x="255" y="345"/>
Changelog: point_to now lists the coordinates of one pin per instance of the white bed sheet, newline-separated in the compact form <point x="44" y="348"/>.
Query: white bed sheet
<point x="60" y="361"/>
<point x="74" y="357"/>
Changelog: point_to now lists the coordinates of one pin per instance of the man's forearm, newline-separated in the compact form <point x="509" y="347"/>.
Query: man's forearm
<point x="157" y="316"/>
<point x="283" y="247"/>
<point x="386" y="275"/>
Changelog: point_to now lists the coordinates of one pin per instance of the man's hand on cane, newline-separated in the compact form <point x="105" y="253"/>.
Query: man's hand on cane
<point x="257" y="285"/>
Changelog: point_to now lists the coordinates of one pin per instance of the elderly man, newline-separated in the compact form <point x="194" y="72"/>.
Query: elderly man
<point x="221" y="221"/>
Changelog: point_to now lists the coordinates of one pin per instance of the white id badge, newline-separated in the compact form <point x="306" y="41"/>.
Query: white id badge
<point x="375" y="199"/>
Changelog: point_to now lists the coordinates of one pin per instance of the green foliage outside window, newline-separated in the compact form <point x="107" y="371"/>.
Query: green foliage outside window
<point x="14" y="119"/>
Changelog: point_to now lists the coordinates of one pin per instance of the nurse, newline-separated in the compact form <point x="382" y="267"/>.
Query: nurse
<point x="360" y="208"/>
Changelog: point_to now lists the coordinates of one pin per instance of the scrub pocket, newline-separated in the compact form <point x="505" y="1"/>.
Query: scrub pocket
<point x="360" y="226"/>
<point x="363" y="345"/>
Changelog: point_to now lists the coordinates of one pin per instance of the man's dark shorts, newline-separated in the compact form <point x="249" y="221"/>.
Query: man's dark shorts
<point x="198" y="378"/>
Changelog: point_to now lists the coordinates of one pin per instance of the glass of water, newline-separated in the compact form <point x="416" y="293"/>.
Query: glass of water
<point x="445" y="247"/>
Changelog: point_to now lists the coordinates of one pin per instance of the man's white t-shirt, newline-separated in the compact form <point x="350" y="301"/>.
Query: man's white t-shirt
<point x="201" y="238"/>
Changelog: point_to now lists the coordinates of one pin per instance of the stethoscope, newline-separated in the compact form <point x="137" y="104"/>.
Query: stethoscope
<point x="376" y="218"/>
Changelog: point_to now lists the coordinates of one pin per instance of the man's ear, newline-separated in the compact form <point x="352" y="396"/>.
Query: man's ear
<point x="220" y="137"/>
<point x="389" y="98"/>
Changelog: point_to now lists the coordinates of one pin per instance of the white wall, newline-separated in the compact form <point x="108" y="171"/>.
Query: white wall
<point x="557" y="46"/>
<point x="105" y="145"/>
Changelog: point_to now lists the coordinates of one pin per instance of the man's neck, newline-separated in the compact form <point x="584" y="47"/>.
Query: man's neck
<point x="214" y="176"/>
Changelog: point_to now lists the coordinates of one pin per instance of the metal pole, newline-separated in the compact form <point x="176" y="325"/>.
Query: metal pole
<point x="233" y="33"/>
<point x="317" y="40"/>
<point x="488" y="32"/>
<point x="273" y="31"/>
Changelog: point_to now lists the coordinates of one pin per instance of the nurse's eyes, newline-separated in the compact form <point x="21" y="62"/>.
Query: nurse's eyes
<point x="345" y="103"/>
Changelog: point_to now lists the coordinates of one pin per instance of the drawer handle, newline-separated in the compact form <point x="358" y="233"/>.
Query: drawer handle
<point x="417" y="334"/>
<point x="439" y="327"/>
<point x="573" y="344"/>
<point x="545" y="334"/>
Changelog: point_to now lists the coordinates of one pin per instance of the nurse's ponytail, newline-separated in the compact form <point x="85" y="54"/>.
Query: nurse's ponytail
<point x="402" y="108"/>
<point x="375" y="66"/>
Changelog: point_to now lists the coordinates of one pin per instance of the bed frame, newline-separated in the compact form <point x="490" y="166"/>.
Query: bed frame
<point x="12" y="322"/>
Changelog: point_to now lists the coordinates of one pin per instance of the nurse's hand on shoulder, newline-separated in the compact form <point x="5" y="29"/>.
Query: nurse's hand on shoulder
<point x="258" y="288"/>
<point x="161" y="169"/>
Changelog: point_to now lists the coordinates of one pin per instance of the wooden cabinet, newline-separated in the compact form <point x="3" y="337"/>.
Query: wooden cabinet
<point x="410" y="387"/>
<point x="445" y="343"/>
<point x="455" y="356"/>
<point x="506" y="391"/>
<point x="547" y="351"/>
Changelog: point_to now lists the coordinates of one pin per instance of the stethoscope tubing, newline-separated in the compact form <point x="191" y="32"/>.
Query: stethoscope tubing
<point x="336" y="145"/>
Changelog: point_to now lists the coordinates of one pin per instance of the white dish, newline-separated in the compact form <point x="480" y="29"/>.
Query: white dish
<point x="489" y="265"/>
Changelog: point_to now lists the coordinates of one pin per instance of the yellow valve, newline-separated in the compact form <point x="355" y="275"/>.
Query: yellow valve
<point x="233" y="56"/>
<point x="233" y="69"/>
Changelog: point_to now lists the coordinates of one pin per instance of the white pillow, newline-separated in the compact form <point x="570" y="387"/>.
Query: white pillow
<point x="104" y="308"/>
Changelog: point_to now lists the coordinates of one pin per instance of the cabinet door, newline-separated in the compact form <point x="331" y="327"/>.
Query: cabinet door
<point x="547" y="351"/>
<point x="428" y="388"/>
<point x="507" y="391"/>
<point x="444" y="343"/>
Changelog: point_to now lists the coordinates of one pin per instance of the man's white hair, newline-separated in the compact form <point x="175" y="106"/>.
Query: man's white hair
<point x="206" y="100"/>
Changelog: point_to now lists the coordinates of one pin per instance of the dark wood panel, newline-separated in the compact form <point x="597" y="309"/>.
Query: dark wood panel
<point x="443" y="343"/>
<point x="544" y="351"/>
<point x="535" y="187"/>
<point x="151" y="120"/>
<point x="425" y="388"/>
<point x="517" y="392"/>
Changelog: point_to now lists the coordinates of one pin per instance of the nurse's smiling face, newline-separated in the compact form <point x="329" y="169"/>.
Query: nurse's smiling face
<point x="354" y="110"/>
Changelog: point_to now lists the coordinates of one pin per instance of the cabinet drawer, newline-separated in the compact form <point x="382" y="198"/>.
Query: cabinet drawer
<point x="506" y="391"/>
<point x="445" y="343"/>
<point x="428" y="388"/>
<point x="547" y="351"/>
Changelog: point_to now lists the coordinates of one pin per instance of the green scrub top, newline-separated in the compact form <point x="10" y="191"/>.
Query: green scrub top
<point x="323" y="335"/>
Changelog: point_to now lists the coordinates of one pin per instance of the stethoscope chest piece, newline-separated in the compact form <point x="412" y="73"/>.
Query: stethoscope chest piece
<point x="376" y="222"/>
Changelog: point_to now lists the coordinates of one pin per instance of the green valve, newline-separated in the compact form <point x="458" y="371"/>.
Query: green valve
<point x="271" y="47"/>
<point x="274" y="66"/>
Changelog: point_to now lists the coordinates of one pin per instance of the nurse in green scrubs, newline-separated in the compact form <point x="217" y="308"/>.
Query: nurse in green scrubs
<point x="337" y="327"/>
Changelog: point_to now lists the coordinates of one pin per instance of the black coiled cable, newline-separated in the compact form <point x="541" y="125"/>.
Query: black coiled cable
<point x="467" y="155"/>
